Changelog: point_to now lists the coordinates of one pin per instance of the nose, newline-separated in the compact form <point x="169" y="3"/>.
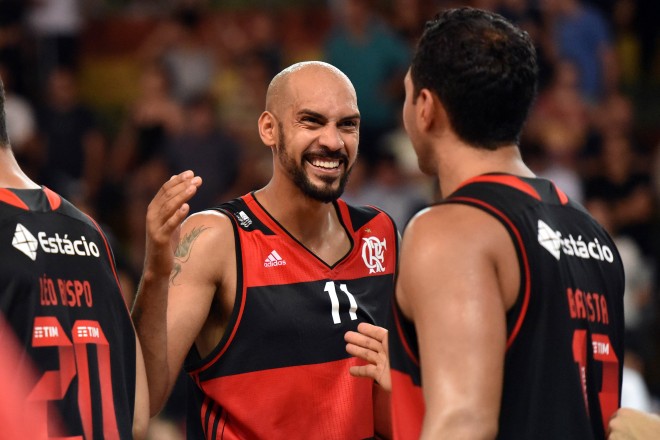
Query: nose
<point x="331" y="137"/>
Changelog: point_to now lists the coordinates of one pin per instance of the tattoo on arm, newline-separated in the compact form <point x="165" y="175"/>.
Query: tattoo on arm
<point x="183" y="250"/>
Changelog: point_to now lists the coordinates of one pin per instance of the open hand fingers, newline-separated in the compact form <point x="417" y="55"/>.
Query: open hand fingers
<point x="366" y="354"/>
<point x="169" y="207"/>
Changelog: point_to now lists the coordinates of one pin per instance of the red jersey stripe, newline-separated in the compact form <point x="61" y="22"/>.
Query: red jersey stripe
<point x="10" y="198"/>
<point x="512" y="181"/>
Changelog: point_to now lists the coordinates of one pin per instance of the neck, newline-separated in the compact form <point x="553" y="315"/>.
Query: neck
<point x="11" y="175"/>
<point x="304" y="218"/>
<point x="460" y="162"/>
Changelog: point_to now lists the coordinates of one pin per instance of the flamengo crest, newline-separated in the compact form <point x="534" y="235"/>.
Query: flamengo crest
<point x="373" y="254"/>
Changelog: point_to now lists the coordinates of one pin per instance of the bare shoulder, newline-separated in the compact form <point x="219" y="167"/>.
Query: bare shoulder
<point x="209" y="219"/>
<point x="206" y="243"/>
<point x="441" y="226"/>
<point x="446" y="249"/>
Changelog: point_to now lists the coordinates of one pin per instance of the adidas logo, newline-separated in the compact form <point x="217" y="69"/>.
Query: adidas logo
<point x="274" y="259"/>
<point x="25" y="242"/>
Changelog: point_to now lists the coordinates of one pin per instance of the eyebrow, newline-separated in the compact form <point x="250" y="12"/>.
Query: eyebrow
<point x="319" y="116"/>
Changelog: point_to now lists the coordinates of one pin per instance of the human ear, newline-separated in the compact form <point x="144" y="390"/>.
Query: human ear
<point x="267" y="129"/>
<point x="431" y="112"/>
<point x="425" y="110"/>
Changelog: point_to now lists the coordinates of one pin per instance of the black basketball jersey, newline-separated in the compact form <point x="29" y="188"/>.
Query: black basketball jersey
<point x="61" y="296"/>
<point x="281" y="370"/>
<point x="563" y="364"/>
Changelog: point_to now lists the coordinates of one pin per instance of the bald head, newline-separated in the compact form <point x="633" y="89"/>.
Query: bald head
<point x="280" y="88"/>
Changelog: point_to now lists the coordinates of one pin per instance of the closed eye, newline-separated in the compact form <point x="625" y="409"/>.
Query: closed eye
<point x="311" y="120"/>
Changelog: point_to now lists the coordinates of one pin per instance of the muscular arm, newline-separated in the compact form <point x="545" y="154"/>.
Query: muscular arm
<point x="450" y="286"/>
<point x="177" y="287"/>
<point x="172" y="313"/>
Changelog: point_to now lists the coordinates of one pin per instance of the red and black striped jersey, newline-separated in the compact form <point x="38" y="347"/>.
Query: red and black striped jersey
<point x="281" y="369"/>
<point x="563" y="363"/>
<point x="61" y="296"/>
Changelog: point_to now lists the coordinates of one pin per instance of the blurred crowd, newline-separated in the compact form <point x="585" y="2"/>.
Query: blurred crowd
<point x="107" y="99"/>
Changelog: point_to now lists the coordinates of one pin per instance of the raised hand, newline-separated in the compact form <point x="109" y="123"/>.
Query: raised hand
<point x="164" y="216"/>
<point x="369" y="343"/>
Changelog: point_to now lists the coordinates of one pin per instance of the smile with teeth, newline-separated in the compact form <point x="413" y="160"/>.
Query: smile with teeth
<point x="326" y="164"/>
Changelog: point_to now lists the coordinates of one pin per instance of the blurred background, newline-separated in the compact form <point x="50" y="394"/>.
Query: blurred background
<point x="107" y="98"/>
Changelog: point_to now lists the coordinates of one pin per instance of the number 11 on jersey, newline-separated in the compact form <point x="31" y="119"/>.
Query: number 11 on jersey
<point x="334" y="301"/>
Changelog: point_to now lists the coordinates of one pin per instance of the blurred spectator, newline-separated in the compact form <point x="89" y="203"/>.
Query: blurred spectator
<point x="375" y="59"/>
<point x="559" y="126"/>
<point x="583" y="37"/>
<point x="265" y="43"/>
<point x="12" y="40"/>
<point x="179" y="44"/>
<point x="21" y="125"/>
<point x="614" y="115"/>
<point x="560" y="104"/>
<point x="56" y="26"/>
<point x="73" y="144"/>
<point x="138" y="165"/>
<point x="407" y="18"/>
<point x="205" y="148"/>
<point x="627" y="42"/>
<point x="646" y="24"/>
<point x="152" y="118"/>
<point x="558" y="160"/>
<point x="626" y="190"/>
<point x="241" y="94"/>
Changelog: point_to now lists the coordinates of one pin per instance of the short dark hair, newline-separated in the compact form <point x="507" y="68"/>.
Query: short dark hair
<point x="483" y="69"/>
<point x="4" y="136"/>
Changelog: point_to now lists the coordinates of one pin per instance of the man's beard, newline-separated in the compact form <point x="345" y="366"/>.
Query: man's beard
<point x="325" y="193"/>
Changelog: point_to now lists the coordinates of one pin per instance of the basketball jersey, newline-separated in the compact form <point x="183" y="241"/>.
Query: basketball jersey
<point x="563" y="362"/>
<point x="281" y="368"/>
<point x="61" y="297"/>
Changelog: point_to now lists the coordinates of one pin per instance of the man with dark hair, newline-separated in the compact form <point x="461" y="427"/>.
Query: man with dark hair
<point x="62" y="300"/>
<point x="260" y="291"/>
<point x="508" y="318"/>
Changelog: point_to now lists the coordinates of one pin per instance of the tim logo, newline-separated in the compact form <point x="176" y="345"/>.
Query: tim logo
<point x="373" y="254"/>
